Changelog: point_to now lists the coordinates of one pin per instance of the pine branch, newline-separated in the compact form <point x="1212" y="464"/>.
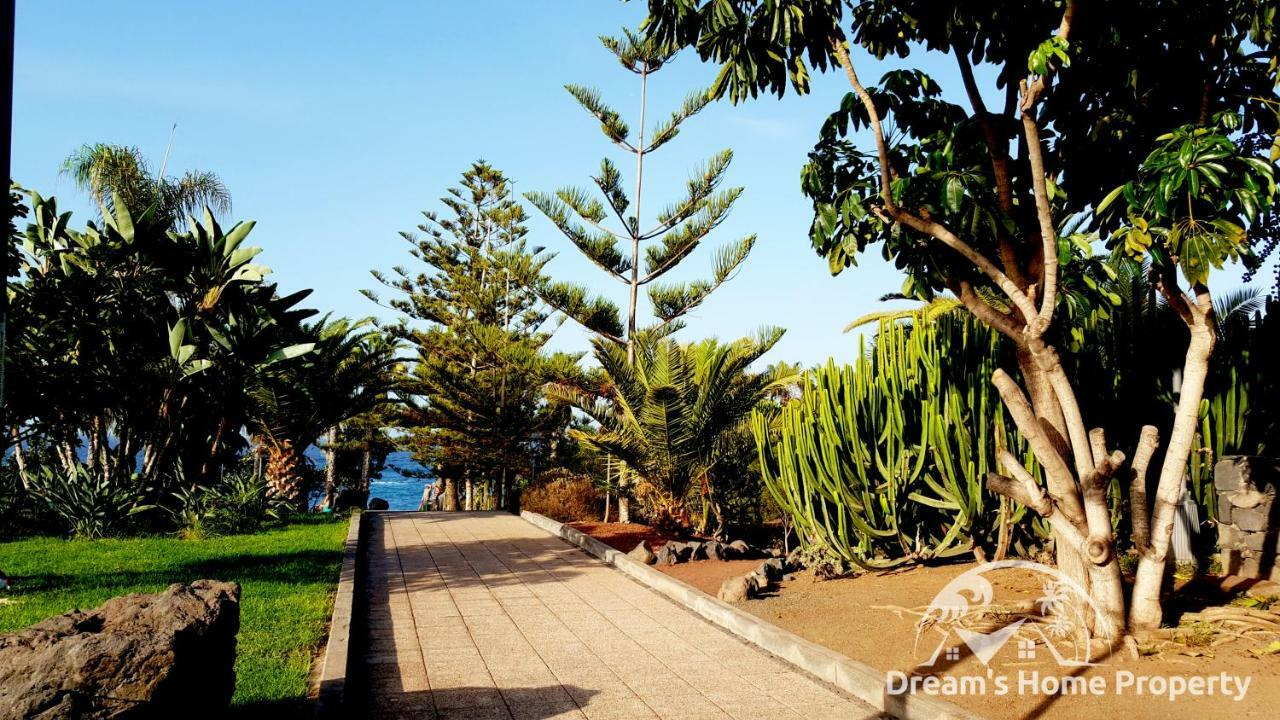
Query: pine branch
<point x="611" y="123"/>
<point x="599" y="247"/>
<point x="658" y="331"/>
<point x="586" y="207"/>
<point x="610" y="183"/>
<point x="637" y="53"/>
<point x="678" y="243"/>
<point x="701" y="184"/>
<point x="673" y="301"/>
<point x="670" y="301"/>
<point x="667" y="130"/>
<point x="595" y="314"/>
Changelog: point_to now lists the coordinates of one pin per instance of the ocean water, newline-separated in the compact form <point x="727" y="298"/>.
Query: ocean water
<point x="402" y="481"/>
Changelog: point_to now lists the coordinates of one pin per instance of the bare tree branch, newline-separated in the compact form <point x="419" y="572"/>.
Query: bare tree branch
<point x="1031" y="94"/>
<point x="1098" y="547"/>
<point x="974" y="303"/>
<point x="1062" y="484"/>
<point x="1139" y="510"/>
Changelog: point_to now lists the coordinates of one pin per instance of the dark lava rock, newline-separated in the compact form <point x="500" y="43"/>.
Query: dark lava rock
<point x="168" y="655"/>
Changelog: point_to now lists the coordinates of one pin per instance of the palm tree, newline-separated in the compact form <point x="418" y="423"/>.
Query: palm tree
<point x="667" y="416"/>
<point x="108" y="171"/>
<point x="349" y="372"/>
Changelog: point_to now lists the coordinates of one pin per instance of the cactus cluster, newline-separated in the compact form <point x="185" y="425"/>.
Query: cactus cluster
<point x="883" y="461"/>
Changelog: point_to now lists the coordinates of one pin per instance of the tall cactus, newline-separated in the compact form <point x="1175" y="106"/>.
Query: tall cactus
<point x="883" y="461"/>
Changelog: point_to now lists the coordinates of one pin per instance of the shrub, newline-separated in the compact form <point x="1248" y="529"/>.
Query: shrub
<point x="88" y="504"/>
<point x="239" y="503"/>
<point x="563" y="496"/>
<point x="11" y="505"/>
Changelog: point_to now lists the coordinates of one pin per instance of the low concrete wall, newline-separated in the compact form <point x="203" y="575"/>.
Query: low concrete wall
<point x="858" y="679"/>
<point x="333" y="676"/>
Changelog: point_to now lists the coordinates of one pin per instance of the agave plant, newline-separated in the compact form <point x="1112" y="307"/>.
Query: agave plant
<point x="91" y="505"/>
<point x="666" y="416"/>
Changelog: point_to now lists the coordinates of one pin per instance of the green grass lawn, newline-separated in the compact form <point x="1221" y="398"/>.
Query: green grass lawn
<point x="287" y="574"/>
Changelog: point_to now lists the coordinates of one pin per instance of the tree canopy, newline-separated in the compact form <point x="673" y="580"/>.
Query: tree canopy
<point x="1147" y="128"/>
<point x="477" y="331"/>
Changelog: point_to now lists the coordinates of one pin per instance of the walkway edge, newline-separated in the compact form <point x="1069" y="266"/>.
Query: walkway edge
<point x="858" y="679"/>
<point x="333" y="676"/>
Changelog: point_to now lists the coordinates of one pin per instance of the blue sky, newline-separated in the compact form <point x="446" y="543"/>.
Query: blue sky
<point x="335" y="124"/>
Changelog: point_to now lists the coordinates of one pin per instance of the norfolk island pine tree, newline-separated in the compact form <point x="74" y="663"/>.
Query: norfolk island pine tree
<point x="478" y="335"/>
<point x="637" y="255"/>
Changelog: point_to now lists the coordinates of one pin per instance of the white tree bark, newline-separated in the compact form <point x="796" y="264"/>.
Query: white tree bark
<point x="1145" y="612"/>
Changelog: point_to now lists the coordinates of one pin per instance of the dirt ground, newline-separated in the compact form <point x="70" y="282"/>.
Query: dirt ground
<point x="874" y="618"/>
<point x="622" y="536"/>
<point x="707" y="575"/>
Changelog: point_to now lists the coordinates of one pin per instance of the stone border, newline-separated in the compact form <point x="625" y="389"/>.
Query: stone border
<point x="333" y="678"/>
<point x="858" y="679"/>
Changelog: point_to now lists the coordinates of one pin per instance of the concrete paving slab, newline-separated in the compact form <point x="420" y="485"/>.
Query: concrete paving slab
<point x="482" y="615"/>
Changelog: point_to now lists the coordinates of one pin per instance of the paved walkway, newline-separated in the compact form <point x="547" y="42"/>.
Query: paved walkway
<point x="483" y="616"/>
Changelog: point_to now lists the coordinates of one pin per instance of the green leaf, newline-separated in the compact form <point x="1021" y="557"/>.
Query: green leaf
<point x="198" y="366"/>
<point x="176" y="334"/>
<point x="1110" y="198"/>
<point x="237" y="234"/>
<point x="290" y="352"/>
<point x="123" y="221"/>
<point x="952" y="194"/>
<point x="835" y="261"/>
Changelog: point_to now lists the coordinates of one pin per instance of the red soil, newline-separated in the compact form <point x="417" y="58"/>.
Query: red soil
<point x="622" y="536"/>
<point x="708" y="575"/>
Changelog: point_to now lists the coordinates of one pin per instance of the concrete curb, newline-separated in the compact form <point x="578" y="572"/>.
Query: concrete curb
<point x="333" y="677"/>
<point x="858" y="679"/>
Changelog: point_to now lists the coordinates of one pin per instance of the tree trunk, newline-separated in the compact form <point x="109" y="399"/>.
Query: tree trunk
<point x="284" y="477"/>
<point x="468" y="497"/>
<point x="214" y="448"/>
<point x="330" y="468"/>
<point x="450" y="501"/>
<point x="1145" y="612"/>
<point x="1073" y="499"/>
<point x="361" y="495"/>
<point x="19" y="458"/>
<point x="1052" y="422"/>
<point x="624" y="503"/>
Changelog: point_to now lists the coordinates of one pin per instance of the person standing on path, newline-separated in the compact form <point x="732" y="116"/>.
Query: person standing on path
<point x="431" y="496"/>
